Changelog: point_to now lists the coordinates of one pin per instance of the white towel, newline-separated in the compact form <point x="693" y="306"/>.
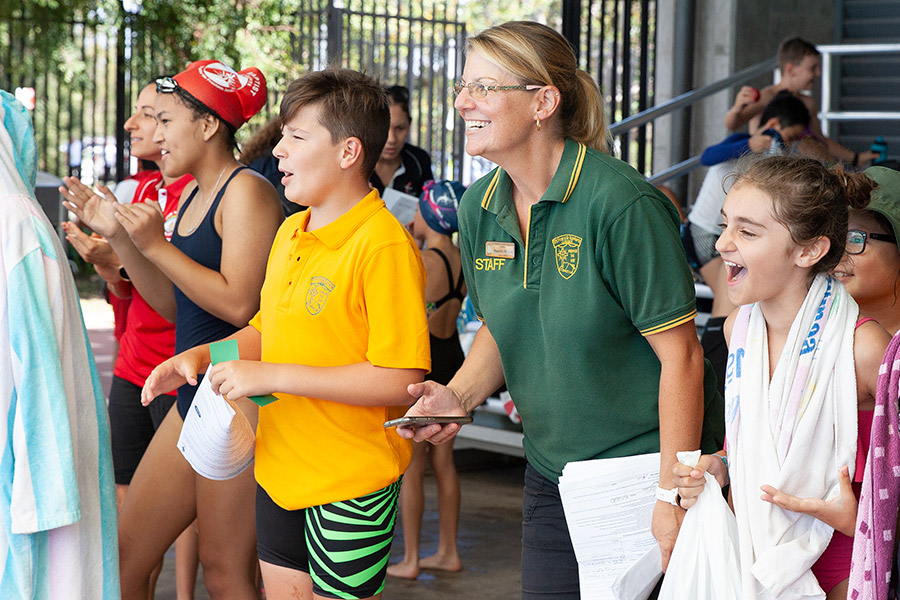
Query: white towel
<point x="793" y="433"/>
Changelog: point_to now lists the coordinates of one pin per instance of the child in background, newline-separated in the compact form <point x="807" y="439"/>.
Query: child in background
<point x="340" y="334"/>
<point x="801" y="65"/>
<point x="871" y="267"/>
<point x="433" y="226"/>
<point x="794" y="346"/>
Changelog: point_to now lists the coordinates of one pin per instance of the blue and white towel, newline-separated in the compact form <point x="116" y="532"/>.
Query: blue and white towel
<point x="792" y="432"/>
<point x="57" y="496"/>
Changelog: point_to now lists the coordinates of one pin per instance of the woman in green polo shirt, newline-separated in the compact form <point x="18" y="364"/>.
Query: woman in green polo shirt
<point x="573" y="262"/>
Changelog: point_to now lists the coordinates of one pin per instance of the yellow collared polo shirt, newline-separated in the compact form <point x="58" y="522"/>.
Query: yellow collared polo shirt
<point x="349" y="292"/>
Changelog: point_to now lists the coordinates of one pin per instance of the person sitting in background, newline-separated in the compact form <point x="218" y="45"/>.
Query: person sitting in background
<point x="401" y="166"/>
<point x="801" y="65"/>
<point x="784" y="120"/>
<point x="445" y="291"/>
<point x="59" y="504"/>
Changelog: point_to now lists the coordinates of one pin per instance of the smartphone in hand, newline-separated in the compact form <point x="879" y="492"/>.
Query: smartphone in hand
<point x="423" y="421"/>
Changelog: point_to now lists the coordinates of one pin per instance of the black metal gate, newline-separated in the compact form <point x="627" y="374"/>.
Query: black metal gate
<point x="617" y="45"/>
<point x="85" y="90"/>
<point x="76" y="109"/>
<point x="416" y="44"/>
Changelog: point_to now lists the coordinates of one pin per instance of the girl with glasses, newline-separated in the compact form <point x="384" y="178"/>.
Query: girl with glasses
<point x="401" y="166"/>
<point x="207" y="281"/>
<point x="434" y="224"/>
<point x="801" y="380"/>
<point x="556" y="259"/>
<point x="871" y="268"/>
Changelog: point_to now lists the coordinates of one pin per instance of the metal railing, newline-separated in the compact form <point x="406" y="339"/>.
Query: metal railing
<point x="826" y="114"/>
<point x="686" y="100"/>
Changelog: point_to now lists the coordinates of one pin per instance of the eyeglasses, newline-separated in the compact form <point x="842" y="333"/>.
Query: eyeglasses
<point x="856" y="240"/>
<point x="479" y="91"/>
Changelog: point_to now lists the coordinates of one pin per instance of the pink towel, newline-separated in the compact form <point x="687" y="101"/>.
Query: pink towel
<point x="873" y="544"/>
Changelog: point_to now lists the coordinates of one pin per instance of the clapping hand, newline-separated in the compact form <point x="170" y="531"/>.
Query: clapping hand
<point x="96" y="211"/>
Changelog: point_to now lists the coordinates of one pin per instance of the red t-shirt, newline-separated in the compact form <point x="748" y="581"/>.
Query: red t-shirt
<point x="149" y="339"/>
<point x="144" y="180"/>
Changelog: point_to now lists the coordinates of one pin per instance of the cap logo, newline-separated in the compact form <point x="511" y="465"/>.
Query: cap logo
<point x="224" y="78"/>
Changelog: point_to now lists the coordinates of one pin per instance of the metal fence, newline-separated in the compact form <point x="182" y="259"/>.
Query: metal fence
<point x="76" y="108"/>
<point x="618" y="47"/>
<point x="416" y="44"/>
<point x="85" y="91"/>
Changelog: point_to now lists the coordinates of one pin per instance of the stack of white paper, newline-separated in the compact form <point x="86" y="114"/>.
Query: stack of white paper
<point x="609" y="506"/>
<point x="216" y="438"/>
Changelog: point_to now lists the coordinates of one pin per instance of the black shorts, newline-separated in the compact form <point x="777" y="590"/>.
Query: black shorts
<point x="343" y="546"/>
<point x="132" y="425"/>
<point x="704" y="244"/>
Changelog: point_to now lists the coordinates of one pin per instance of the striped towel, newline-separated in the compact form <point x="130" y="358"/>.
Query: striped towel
<point x="873" y="544"/>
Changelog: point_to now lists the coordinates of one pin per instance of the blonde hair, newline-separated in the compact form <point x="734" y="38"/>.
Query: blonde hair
<point x="538" y="55"/>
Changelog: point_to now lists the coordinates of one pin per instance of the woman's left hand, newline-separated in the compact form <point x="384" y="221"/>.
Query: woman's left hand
<point x="238" y="378"/>
<point x="840" y="512"/>
<point x="144" y="223"/>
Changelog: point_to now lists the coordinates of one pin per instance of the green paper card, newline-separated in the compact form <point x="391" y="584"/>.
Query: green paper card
<point x="228" y="350"/>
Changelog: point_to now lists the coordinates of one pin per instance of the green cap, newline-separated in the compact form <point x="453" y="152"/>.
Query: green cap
<point x="885" y="199"/>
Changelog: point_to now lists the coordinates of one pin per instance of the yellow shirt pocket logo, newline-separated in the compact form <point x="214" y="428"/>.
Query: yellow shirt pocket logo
<point x="566" y="250"/>
<point x="317" y="294"/>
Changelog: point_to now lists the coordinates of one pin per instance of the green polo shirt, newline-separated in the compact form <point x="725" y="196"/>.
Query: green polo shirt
<point x="569" y="305"/>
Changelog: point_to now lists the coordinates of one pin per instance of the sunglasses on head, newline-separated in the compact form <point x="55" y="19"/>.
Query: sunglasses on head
<point x="168" y="85"/>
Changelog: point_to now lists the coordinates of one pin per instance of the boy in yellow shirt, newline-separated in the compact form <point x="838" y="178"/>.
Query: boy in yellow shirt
<point x="340" y="334"/>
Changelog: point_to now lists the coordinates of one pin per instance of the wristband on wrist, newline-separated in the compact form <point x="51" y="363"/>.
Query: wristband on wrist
<point x="727" y="473"/>
<point x="668" y="496"/>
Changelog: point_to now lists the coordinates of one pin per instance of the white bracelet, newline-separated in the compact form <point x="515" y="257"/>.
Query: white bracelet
<point x="668" y="496"/>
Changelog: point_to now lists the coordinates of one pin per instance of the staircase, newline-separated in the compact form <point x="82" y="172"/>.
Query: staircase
<point x="868" y="83"/>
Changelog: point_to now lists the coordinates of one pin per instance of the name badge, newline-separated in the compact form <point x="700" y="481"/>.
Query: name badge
<point x="500" y="249"/>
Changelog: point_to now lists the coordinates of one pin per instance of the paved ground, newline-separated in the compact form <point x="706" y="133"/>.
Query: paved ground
<point x="489" y="537"/>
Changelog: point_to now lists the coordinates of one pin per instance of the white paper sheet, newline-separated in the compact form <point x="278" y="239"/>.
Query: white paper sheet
<point x="609" y="506"/>
<point x="216" y="438"/>
<point x="403" y="206"/>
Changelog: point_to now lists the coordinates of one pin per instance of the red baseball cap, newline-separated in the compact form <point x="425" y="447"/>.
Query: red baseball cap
<point x="233" y="96"/>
